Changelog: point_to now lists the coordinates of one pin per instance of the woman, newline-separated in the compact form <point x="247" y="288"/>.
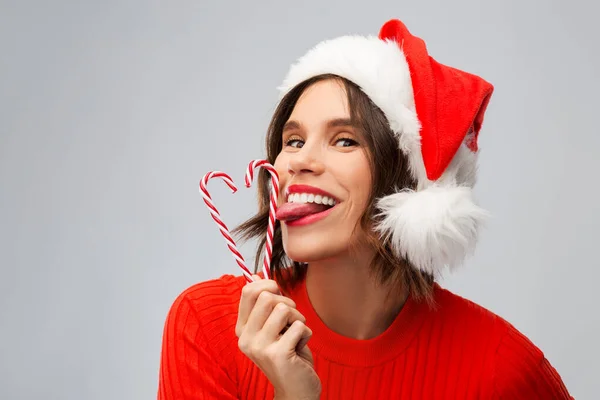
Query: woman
<point x="375" y="144"/>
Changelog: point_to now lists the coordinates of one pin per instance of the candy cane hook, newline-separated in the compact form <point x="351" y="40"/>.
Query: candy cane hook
<point x="217" y="217"/>
<point x="272" y="208"/>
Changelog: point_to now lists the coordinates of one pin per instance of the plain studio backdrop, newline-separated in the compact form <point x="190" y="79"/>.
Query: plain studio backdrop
<point x="112" y="111"/>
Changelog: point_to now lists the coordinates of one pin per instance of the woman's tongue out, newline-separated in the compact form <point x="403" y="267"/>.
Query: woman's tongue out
<point x="293" y="211"/>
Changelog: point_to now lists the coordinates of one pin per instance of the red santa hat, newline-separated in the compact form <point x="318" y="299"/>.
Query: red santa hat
<point x="436" y="112"/>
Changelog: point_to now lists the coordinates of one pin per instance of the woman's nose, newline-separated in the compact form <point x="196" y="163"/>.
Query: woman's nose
<point x="306" y="160"/>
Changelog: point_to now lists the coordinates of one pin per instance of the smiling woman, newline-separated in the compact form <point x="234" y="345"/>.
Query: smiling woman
<point x="375" y="144"/>
<point x="349" y="146"/>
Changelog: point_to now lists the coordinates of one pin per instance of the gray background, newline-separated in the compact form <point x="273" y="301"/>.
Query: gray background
<point x="111" y="112"/>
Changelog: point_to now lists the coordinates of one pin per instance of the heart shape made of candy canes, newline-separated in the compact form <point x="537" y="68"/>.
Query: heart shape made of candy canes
<point x="223" y="228"/>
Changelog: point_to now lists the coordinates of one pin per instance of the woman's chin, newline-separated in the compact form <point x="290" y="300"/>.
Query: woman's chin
<point x="306" y="258"/>
<point x="313" y="245"/>
<point x="305" y="253"/>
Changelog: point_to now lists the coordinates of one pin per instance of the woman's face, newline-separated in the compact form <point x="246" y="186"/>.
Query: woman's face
<point x="325" y="176"/>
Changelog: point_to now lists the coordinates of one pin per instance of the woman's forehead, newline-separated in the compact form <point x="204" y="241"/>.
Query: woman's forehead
<point x="321" y="102"/>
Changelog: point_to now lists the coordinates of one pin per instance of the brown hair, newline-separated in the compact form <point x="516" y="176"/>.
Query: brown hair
<point x="389" y="169"/>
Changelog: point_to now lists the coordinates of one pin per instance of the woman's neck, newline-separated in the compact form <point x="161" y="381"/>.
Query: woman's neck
<point x="349" y="301"/>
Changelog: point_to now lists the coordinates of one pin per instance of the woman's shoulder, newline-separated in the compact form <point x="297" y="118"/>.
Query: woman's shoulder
<point x="519" y="366"/>
<point x="480" y="321"/>
<point x="206" y="310"/>
<point x="210" y="299"/>
<point x="199" y="346"/>
<point x="469" y="314"/>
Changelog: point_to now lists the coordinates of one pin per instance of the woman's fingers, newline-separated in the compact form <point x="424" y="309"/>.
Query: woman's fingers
<point x="272" y="333"/>
<point x="268" y="292"/>
<point x="296" y="336"/>
<point x="265" y="306"/>
<point x="281" y="317"/>
<point x="250" y="294"/>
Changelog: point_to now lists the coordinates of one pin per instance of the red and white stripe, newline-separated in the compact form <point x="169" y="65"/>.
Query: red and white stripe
<point x="272" y="208"/>
<point x="217" y="217"/>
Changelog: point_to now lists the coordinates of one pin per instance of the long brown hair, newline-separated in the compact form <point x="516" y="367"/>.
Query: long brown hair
<point x="389" y="169"/>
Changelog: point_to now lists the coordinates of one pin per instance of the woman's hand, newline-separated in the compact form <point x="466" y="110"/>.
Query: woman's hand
<point x="273" y="335"/>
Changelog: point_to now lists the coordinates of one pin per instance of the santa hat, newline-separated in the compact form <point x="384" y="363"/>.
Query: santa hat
<point x="436" y="112"/>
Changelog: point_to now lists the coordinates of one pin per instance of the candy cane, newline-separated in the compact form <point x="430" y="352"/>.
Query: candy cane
<point x="217" y="217"/>
<point x="272" y="208"/>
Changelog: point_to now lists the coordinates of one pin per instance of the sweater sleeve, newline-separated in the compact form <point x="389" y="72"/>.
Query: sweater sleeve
<point x="523" y="372"/>
<point x="197" y="361"/>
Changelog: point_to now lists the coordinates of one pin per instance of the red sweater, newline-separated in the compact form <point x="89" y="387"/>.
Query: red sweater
<point x="457" y="351"/>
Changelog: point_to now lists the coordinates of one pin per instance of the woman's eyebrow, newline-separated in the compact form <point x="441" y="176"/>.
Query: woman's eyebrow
<point x="337" y="122"/>
<point x="332" y="123"/>
<point x="291" y="125"/>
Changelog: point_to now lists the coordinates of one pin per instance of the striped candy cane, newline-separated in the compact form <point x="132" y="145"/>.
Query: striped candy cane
<point x="272" y="208"/>
<point x="217" y="217"/>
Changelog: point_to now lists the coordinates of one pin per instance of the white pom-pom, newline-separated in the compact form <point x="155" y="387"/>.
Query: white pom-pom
<point x="433" y="228"/>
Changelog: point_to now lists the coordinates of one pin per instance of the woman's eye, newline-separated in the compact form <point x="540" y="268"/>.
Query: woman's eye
<point x="345" y="142"/>
<point x="295" y="143"/>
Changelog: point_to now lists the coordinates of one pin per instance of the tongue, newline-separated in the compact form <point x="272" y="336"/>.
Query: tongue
<point x="291" y="211"/>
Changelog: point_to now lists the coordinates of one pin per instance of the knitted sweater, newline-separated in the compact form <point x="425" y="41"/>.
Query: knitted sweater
<point x="457" y="350"/>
